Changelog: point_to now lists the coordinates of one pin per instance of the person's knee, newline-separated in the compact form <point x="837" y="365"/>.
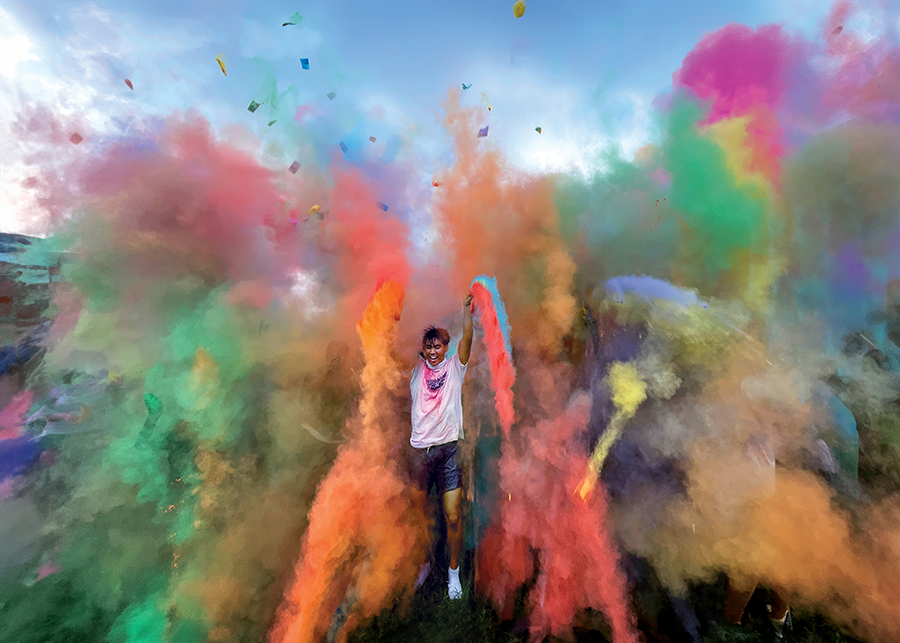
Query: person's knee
<point x="452" y="514"/>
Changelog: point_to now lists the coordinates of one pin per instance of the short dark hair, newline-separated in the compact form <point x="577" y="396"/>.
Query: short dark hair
<point x="433" y="332"/>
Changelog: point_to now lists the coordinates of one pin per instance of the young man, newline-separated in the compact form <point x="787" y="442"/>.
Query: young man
<point x="436" y="388"/>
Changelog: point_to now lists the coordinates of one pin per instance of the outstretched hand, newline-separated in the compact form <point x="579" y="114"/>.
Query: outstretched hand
<point x="468" y="300"/>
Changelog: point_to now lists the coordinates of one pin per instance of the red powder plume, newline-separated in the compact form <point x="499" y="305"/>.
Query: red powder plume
<point x="192" y="204"/>
<point x="503" y="373"/>
<point x="541" y="521"/>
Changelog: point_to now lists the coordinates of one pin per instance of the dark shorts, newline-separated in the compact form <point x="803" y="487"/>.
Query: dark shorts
<point x="436" y="465"/>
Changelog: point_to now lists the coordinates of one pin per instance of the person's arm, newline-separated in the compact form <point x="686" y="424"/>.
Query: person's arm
<point x="465" y="344"/>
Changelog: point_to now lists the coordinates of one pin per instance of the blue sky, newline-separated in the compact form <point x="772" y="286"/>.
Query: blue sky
<point x="586" y="72"/>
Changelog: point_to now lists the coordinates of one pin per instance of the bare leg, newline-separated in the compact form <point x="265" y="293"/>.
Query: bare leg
<point x="452" y="500"/>
<point x="737" y="595"/>
<point x="779" y="606"/>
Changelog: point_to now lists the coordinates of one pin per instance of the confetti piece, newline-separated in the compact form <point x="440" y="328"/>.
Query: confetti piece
<point x="435" y="184"/>
<point x="315" y="209"/>
<point x="76" y="138"/>
<point x="466" y="86"/>
<point x="371" y="139"/>
<point x="221" y="64"/>
<point x="293" y="20"/>
<point x="271" y="123"/>
<point x="130" y="86"/>
<point x="837" y="30"/>
<point x="343" y="147"/>
<point x="331" y="95"/>
<point x="483" y="131"/>
<point x="294" y="167"/>
<point x="485" y="99"/>
<point x="304" y="62"/>
<point x="253" y="106"/>
<point x="382" y="206"/>
<point x="538" y="129"/>
<point x="519" y="9"/>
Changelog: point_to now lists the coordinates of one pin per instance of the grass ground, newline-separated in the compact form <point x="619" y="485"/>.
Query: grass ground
<point x="434" y="618"/>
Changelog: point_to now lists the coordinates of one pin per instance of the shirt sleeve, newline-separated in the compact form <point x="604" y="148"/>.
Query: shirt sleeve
<point x="458" y="365"/>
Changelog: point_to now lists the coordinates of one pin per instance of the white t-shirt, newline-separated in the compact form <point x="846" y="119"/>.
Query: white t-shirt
<point x="437" y="402"/>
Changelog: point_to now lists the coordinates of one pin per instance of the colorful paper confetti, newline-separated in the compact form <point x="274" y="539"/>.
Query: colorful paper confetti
<point x="253" y="106"/>
<point x="304" y="63"/>
<point x="331" y="95"/>
<point x="343" y="147"/>
<point x="76" y="138"/>
<point x="483" y="131"/>
<point x="294" y="167"/>
<point x="293" y="20"/>
<point x="221" y="64"/>
<point x="371" y="139"/>
<point x="130" y="86"/>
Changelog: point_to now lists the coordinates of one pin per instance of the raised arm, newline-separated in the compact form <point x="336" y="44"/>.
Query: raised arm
<point x="465" y="344"/>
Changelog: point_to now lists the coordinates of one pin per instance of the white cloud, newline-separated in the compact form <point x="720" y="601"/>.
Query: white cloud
<point x="869" y="23"/>
<point x="80" y="77"/>
<point x="572" y="133"/>
<point x="15" y="47"/>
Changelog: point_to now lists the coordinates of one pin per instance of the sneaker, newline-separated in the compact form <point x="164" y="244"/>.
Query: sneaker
<point x="454" y="589"/>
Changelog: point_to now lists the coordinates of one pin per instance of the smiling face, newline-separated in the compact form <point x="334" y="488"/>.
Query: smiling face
<point x="434" y="350"/>
<point x="434" y="345"/>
